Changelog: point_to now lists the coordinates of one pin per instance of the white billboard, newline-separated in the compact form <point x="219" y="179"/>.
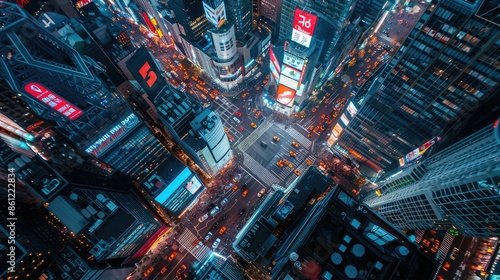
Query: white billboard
<point x="284" y="80"/>
<point x="293" y="61"/>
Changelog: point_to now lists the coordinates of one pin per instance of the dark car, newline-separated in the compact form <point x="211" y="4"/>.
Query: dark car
<point x="242" y="211"/>
<point x="215" y="225"/>
<point x="210" y="207"/>
<point x="263" y="144"/>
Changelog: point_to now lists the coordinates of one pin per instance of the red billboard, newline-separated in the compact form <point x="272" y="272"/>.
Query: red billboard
<point x="150" y="24"/>
<point x="285" y="95"/>
<point x="303" y="27"/>
<point x="274" y="60"/>
<point x="53" y="100"/>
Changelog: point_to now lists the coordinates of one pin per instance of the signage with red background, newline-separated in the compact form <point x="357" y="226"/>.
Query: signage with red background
<point x="285" y="95"/>
<point x="53" y="100"/>
<point x="303" y="27"/>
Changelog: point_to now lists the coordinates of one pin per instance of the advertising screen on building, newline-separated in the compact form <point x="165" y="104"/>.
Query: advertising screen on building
<point x="285" y="95"/>
<point x="115" y="133"/>
<point x="217" y="16"/>
<point x="303" y="27"/>
<point x="331" y="140"/>
<point x="275" y="72"/>
<point x="290" y="72"/>
<point x="413" y="155"/>
<point x="54" y="101"/>
<point x="344" y="119"/>
<point x="293" y="61"/>
<point x="145" y="70"/>
<point x="352" y="109"/>
<point x="337" y="130"/>
<point x="284" y="80"/>
<point x="274" y="60"/>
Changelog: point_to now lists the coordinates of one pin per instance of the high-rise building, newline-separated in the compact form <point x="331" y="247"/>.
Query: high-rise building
<point x="444" y="71"/>
<point x="454" y="188"/>
<point x="239" y="12"/>
<point x="216" y="152"/>
<point x="316" y="230"/>
<point x="191" y="18"/>
<point x="72" y="92"/>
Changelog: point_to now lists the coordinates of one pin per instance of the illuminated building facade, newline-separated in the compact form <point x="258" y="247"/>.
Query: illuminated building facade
<point x="444" y="71"/>
<point x="73" y="93"/>
<point x="454" y="188"/>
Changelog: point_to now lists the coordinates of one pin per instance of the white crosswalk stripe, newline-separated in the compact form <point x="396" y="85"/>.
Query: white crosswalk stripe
<point x="186" y="240"/>
<point x="258" y="170"/>
<point x="303" y="140"/>
<point x="202" y="253"/>
<point x="245" y="144"/>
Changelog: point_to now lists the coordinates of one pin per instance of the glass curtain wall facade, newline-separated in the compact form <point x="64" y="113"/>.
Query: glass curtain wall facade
<point x="446" y="68"/>
<point x="457" y="187"/>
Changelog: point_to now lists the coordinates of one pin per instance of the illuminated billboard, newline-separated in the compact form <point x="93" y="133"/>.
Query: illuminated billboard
<point x="274" y="60"/>
<point x="275" y="72"/>
<point x="53" y="100"/>
<point x="411" y="156"/>
<point x="344" y="119"/>
<point x="83" y="3"/>
<point x="115" y="133"/>
<point x="331" y="140"/>
<point x="284" y="80"/>
<point x="217" y="16"/>
<point x="145" y="70"/>
<point x="303" y="27"/>
<point x="148" y="22"/>
<point x="285" y="95"/>
<point x="293" y="61"/>
<point x="352" y="109"/>
<point x="290" y="72"/>
<point x="337" y="130"/>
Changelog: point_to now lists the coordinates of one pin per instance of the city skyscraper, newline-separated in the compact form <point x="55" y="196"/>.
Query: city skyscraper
<point x="239" y="12"/>
<point x="444" y="71"/>
<point x="190" y="16"/>
<point x="455" y="188"/>
<point x="72" y="92"/>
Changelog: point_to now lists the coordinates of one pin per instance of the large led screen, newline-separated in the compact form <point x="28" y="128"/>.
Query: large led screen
<point x="293" y="61"/>
<point x="285" y="95"/>
<point x="303" y="27"/>
<point x="54" y="101"/>
<point x="145" y="70"/>
<point x="290" y="72"/>
<point x="284" y="80"/>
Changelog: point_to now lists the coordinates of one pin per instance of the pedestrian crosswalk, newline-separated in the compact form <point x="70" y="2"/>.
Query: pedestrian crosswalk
<point x="303" y="140"/>
<point x="253" y="167"/>
<point x="187" y="239"/>
<point x="245" y="144"/>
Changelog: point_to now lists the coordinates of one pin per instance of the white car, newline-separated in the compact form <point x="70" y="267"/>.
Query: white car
<point x="224" y="201"/>
<point x="215" y="211"/>
<point x="209" y="234"/>
<point x="216" y="243"/>
<point x="238" y="121"/>
<point x="202" y="218"/>
<point x="262" y="192"/>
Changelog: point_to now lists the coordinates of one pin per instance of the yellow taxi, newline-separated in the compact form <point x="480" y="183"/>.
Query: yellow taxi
<point x="295" y="144"/>
<point x="293" y="154"/>
<point x="276" y="138"/>
<point x="253" y="125"/>
<point x="296" y="172"/>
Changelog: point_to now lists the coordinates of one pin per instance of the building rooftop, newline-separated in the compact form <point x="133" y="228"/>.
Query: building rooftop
<point x="350" y="241"/>
<point x="217" y="267"/>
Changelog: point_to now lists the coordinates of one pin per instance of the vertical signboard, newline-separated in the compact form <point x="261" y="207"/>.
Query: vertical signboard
<point x="303" y="27"/>
<point x="144" y="69"/>
<point x="49" y="98"/>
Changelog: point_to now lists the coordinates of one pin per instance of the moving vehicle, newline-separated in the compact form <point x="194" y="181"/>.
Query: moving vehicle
<point x="244" y="193"/>
<point x="163" y="270"/>
<point x="242" y="211"/>
<point x="263" y="144"/>
<point x="209" y="235"/>
<point x="216" y="243"/>
<point x="235" y="188"/>
<point x="181" y="270"/>
<point x="215" y="225"/>
<point x="253" y="125"/>
<point x="222" y="230"/>
<point x="261" y="192"/>
<point x="224" y="201"/>
<point x="296" y="172"/>
<point x="172" y="256"/>
<point x="276" y="138"/>
<point x="295" y="144"/>
<point x="238" y="114"/>
<point x="293" y="154"/>
<point x="215" y="211"/>
<point x="148" y="271"/>
<point x="202" y="218"/>
<point x="238" y="121"/>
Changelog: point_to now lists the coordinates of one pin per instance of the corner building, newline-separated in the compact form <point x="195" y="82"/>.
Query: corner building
<point x="73" y="92"/>
<point x="455" y="188"/>
<point x="446" y="69"/>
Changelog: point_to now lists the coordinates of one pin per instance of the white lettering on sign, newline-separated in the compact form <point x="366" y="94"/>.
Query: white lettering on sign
<point x="47" y="22"/>
<point x="305" y="23"/>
